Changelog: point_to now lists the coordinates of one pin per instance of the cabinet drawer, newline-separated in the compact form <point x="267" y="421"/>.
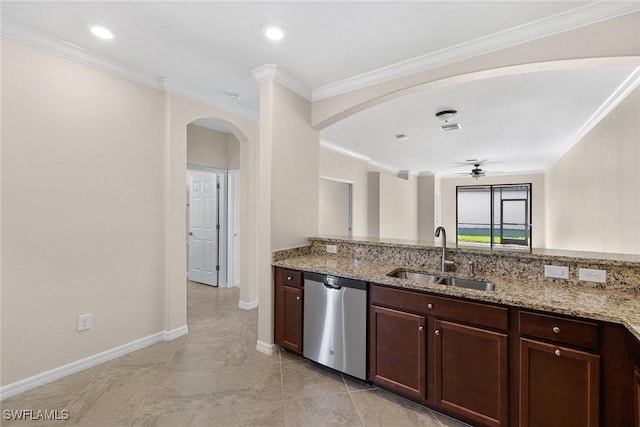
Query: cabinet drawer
<point x="559" y="329"/>
<point x="474" y="313"/>
<point x="399" y="299"/>
<point x="288" y="277"/>
<point x="441" y="307"/>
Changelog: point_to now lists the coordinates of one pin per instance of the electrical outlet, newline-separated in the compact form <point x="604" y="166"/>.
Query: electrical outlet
<point x="84" y="322"/>
<point x="332" y="249"/>
<point x="590" y="275"/>
<point x="556" y="272"/>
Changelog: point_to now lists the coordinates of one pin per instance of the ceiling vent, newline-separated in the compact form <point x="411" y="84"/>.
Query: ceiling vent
<point x="452" y="126"/>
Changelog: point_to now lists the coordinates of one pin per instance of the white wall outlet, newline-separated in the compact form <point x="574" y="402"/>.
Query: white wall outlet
<point x="332" y="249"/>
<point x="556" y="272"/>
<point x="84" y="322"/>
<point x="590" y="275"/>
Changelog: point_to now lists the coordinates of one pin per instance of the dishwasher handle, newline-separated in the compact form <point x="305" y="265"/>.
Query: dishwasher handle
<point x="332" y="282"/>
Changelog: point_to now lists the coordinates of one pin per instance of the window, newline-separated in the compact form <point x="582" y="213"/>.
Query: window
<point x="494" y="215"/>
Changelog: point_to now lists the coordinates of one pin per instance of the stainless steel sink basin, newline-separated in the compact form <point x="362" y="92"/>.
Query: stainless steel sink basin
<point x="478" y="285"/>
<point x="439" y="280"/>
<point x="418" y="277"/>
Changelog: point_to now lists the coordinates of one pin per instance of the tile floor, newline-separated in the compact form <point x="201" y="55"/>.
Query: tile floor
<point x="214" y="376"/>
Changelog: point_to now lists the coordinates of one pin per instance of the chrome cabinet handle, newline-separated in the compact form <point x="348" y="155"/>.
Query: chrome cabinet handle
<point x="429" y="306"/>
<point x="421" y="328"/>
<point x="557" y="353"/>
<point x="437" y="332"/>
<point x="555" y="330"/>
<point x="298" y="298"/>
<point x="289" y="277"/>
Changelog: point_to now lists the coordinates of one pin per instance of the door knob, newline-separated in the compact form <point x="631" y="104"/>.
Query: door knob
<point x="190" y="233"/>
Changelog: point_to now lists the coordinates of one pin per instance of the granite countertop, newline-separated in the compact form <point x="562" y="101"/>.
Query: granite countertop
<point x="582" y="301"/>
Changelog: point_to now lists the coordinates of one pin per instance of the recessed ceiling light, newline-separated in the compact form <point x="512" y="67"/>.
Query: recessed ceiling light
<point x="101" y="31"/>
<point x="273" y="32"/>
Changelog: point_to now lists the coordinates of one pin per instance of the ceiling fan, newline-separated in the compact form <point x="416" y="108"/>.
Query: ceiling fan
<point x="476" y="172"/>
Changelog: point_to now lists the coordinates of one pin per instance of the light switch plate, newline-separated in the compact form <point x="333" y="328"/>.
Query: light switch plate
<point x="591" y="275"/>
<point x="332" y="249"/>
<point x="556" y="272"/>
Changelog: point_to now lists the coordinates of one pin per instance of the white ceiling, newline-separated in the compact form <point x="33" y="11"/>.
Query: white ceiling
<point x="207" y="50"/>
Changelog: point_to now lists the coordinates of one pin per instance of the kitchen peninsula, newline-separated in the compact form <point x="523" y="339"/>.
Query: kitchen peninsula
<point x="530" y="333"/>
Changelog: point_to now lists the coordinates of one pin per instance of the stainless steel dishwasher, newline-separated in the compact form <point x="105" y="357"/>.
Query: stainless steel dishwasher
<point x="335" y="323"/>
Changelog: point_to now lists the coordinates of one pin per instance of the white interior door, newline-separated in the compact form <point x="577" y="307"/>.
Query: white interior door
<point x="203" y="229"/>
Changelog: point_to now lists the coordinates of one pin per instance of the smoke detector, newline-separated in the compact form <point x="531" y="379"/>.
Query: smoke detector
<point x="446" y="115"/>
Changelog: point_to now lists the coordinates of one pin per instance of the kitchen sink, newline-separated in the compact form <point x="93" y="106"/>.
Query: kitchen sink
<point x="478" y="285"/>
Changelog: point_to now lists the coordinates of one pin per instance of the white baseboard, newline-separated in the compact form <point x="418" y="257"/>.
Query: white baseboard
<point x="248" y="305"/>
<point x="265" y="348"/>
<point x="30" y="383"/>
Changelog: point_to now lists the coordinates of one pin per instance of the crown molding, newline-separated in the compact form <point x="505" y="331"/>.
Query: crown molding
<point x="578" y="17"/>
<point x="619" y="94"/>
<point x="279" y="74"/>
<point x="330" y="146"/>
<point x="76" y="53"/>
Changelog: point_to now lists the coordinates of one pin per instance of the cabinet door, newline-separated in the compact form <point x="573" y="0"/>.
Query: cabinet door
<point x="637" y="391"/>
<point x="288" y="317"/>
<point x="559" y="387"/>
<point x="397" y="358"/>
<point x="471" y="372"/>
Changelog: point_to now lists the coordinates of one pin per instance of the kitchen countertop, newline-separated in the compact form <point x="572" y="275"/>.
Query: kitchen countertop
<point x="582" y="301"/>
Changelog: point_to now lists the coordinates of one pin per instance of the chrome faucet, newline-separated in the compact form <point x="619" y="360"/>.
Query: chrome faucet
<point x="445" y="263"/>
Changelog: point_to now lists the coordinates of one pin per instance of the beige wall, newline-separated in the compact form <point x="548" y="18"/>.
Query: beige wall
<point x="233" y="152"/>
<point x="294" y="174"/>
<point x="426" y="207"/>
<point x="83" y="210"/>
<point x="288" y="197"/>
<point x="93" y="209"/>
<point x="447" y="188"/>
<point x="340" y="166"/>
<point x="393" y="206"/>
<point x="207" y="147"/>
<point x="334" y="204"/>
<point x="593" y="191"/>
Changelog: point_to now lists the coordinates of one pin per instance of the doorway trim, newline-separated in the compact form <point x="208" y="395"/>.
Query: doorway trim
<point x="350" y="183"/>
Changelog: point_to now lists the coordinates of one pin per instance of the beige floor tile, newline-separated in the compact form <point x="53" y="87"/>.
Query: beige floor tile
<point x="446" y="421"/>
<point x="114" y="397"/>
<point x="380" y="409"/>
<point x="249" y="385"/>
<point x="355" y="384"/>
<point x="322" y="410"/>
<point x="305" y="379"/>
<point x="158" y="353"/>
<point x="263" y="414"/>
<point x="177" y="391"/>
<point x="210" y="356"/>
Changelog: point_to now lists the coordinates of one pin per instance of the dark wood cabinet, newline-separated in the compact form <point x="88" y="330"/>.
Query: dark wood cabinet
<point x="471" y="372"/>
<point x="443" y="352"/>
<point x="397" y="351"/>
<point x="559" y="385"/>
<point x="288" y="306"/>
<point x="637" y="394"/>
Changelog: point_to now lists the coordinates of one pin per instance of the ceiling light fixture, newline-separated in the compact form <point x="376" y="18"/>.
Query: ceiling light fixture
<point x="101" y="31"/>
<point x="273" y="32"/>
<point x="446" y="115"/>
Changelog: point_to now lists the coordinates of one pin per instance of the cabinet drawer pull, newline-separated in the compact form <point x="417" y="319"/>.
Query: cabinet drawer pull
<point x="298" y="298"/>
<point x="557" y="353"/>
<point x="421" y="328"/>
<point x="556" y="330"/>
<point x="437" y="332"/>
<point x="429" y="306"/>
<point x="289" y="278"/>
